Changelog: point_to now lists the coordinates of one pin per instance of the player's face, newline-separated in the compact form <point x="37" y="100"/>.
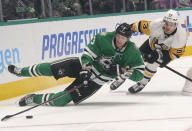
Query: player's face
<point x="120" y="41"/>
<point x="169" y="27"/>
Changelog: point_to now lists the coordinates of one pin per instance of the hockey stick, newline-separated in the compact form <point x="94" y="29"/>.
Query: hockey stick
<point x="176" y="72"/>
<point x="71" y="90"/>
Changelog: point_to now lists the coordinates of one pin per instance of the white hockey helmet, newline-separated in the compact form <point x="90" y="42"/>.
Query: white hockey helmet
<point x="172" y="16"/>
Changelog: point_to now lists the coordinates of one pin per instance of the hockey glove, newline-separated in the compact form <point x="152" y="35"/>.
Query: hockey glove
<point x="85" y="74"/>
<point x="127" y="73"/>
<point x="165" y="58"/>
<point x="121" y="79"/>
<point x="151" y="57"/>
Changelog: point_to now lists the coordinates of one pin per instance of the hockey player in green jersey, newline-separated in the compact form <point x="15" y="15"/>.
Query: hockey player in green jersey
<point x="109" y="55"/>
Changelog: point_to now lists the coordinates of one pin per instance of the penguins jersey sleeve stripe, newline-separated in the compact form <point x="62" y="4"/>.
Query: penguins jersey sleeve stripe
<point x="176" y="52"/>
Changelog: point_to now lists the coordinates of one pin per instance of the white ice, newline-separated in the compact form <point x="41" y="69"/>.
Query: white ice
<point x="159" y="107"/>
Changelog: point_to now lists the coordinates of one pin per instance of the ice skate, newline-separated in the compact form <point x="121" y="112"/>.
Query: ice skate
<point x="116" y="84"/>
<point x="14" y="70"/>
<point x="27" y="100"/>
<point x="136" y="88"/>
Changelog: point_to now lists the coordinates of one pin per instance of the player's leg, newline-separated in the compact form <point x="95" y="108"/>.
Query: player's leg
<point x="61" y="68"/>
<point x="83" y="92"/>
<point x="65" y="98"/>
<point x="43" y="69"/>
<point x="150" y="69"/>
<point x="66" y="67"/>
<point x="32" y="99"/>
<point x="77" y="96"/>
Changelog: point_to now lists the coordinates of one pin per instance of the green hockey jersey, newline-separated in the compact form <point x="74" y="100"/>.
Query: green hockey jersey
<point x="106" y="59"/>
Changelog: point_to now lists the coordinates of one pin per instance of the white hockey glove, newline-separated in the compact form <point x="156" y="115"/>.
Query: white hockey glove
<point x="121" y="79"/>
<point x="127" y="73"/>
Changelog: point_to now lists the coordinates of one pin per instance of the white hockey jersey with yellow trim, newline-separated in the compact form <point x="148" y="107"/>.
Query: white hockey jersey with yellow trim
<point x="175" y="43"/>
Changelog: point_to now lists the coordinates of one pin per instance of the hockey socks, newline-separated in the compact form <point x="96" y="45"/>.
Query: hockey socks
<point x="43" y="69"/>
<point x="61" y="101"/>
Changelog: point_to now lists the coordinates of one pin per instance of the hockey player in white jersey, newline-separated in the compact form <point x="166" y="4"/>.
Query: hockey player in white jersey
<point x="167" y="41"/>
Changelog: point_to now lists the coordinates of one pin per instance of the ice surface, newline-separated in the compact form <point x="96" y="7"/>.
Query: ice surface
<point x="159" y="107"/>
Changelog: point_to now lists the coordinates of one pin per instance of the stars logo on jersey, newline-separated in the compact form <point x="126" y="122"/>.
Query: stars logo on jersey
<point x="106" y="61"/>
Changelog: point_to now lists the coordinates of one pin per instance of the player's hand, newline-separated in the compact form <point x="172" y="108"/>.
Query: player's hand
<point x="165" y="58"/>
<point x="152" y="56"/>
<point x="127" y="73"/>
<point x="84" y="74"/>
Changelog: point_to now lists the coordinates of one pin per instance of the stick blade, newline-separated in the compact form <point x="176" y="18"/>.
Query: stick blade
<point x="6" y="117"/>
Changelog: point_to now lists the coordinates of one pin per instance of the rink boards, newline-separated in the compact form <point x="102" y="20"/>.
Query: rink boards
<point x="30" y="42"/>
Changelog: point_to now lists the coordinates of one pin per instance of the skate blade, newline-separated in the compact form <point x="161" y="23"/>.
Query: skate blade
<point x="186" y="93"/>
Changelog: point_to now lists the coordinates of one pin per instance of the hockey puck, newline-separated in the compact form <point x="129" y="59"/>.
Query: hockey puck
<point x="29" y="117"/>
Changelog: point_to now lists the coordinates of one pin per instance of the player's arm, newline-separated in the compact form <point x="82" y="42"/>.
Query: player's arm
<point x="132" y="70"/>
<point x="134" y="73"/>
<point x="138" y="70"/>
<point x="142" y="26"/>
<point x="176" y="52"/>
<point x="137" y="67"/>
<point x="91" y="52"/>
<point x="137" y="73"/>
<point x="165" y="56"/>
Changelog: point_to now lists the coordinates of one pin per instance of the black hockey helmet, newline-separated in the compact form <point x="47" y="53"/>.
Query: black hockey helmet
<point x="124" y="29"/>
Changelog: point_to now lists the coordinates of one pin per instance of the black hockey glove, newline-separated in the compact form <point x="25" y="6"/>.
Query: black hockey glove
<point x="165" y="58"/>
<point x="151" y="57"/>
<point x="85" y="74"/>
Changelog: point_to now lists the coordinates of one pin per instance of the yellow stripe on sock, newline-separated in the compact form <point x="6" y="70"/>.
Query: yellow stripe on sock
<point x="29" y="85"/>
<point x="148" y="74"/>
